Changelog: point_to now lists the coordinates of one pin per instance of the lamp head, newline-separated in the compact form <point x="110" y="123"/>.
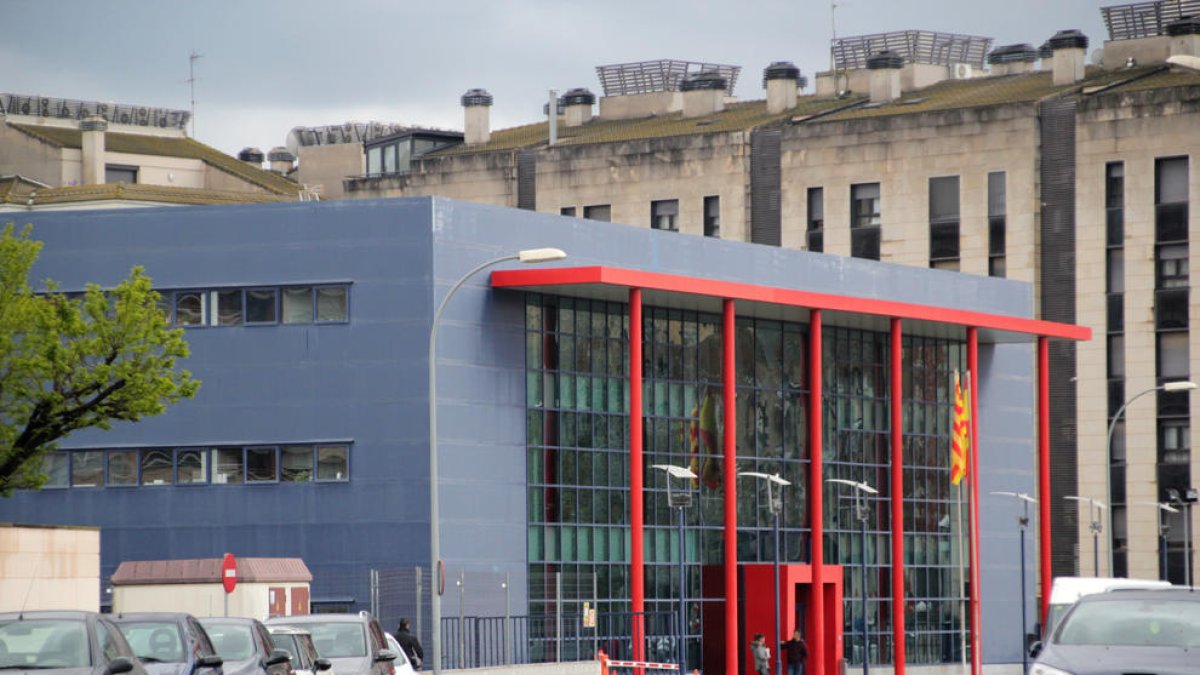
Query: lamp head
<point x="541" y="255"/>
<point x="675" y="471"/>
<point x="1182" y="385"/>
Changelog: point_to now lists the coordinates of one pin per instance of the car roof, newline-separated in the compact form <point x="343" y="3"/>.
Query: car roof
<point x="316" y="618"/>
<point x="228" y="620"/>
<point x="283" y="629"/>
<point x="149" y="616"/>
<point x="77" y="615"/>
<point x="1173" y="593"/>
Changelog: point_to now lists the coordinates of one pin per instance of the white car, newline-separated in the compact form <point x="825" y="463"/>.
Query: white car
<point x="298" y="643"/>
<point x="403" y="666"/>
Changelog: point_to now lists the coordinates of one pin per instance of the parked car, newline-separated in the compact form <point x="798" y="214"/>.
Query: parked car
<point x="1066" y="590"/>
<point x="246" y="647"/>
<point x="170" y="643"/>
<point x="403" y="665"/>
<point x="353" y="642"/>
<point x="1125" y="631"/>
<point x="81" y="643"/>
<point x="298" y="643"/>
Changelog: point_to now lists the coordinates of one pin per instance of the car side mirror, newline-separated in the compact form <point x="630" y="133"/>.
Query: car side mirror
<point x="121" y="664"/>
<point x="1035" y="649"/>
<point x="278" y="656"/>
<point x="385" y="655"/>
<point x="210" y="661"/>
<point x="322" y="664"/>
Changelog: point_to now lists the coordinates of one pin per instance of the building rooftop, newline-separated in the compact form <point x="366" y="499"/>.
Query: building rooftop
<point x="19" y="191"/>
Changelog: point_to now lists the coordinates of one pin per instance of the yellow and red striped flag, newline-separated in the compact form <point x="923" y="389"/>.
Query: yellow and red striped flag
<point x="960" y="433"/>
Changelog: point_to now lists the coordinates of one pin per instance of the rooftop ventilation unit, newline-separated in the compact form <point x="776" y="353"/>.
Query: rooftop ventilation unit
<point x="1146" y="19"/>
<point x="644" y="77"/>
<point x="914" y="46"/>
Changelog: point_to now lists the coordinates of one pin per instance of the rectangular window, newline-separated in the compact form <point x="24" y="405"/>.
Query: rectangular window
<point x="87" y="468"/>
<point x="598" y="212"/>
<point x="56" y="466"/>
<point x="191" y="466"/>
<point x="1172" y="266"/>
<point x="261" y="305"/>
<point x="229" y="307"/>
<point x="1175" y="445"/>
<point x="230" y="466"/>
<point x="122" y="467"/>
<point x="1171" y="199"/>
<point x="157" y="467"/>
<point x="865" y="221"/>
<point x="298" y="305"/>
<point x="374" y="161"/>
<point x="296" y="463"/>
<point x="189" y="308"/>
<point x="943" y="222"/>
<point x="567" y="211"/>
<point x="333" y="463"/>
<point x="120" y="173"/>
<point x="389" y="158"/>
<point x="261" y="465"/>
<point x="664" y="215"/>
<point x="997" y="224"/>
<point x="331" y="304"/>
<point x="815" y="230"/>
<point x="1173" y="355"/>
<point x="712" y="217"/>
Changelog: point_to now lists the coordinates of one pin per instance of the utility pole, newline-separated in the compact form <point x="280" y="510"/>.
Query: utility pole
<point x="191" y="81"/>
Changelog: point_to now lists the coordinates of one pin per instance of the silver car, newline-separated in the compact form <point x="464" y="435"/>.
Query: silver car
<point x="354" y="643"/>
<point x="298" y="643"/>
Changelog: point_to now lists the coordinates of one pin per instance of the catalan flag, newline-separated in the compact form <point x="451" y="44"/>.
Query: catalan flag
<point x="960" y="434"/>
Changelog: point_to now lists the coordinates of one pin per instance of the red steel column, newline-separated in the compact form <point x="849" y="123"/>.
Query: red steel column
<point x="637" y="572"/>
<point x="1044" y="473"/>
<point x="976" y="615"/>
<point x="816" y="485"/>
<point x="728" y="366"/>
<point x="897" y="376"/>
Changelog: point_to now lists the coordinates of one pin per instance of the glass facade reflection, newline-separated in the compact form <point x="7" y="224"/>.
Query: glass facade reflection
<point x="577" y="388"/>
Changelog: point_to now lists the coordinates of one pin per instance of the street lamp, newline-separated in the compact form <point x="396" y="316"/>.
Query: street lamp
<point x="680" y="500"/>
<point x="860" y="512"/>
<point x="775" y="505"/>
<point x="1095" y="507"/>
<point x="1163" y="528"/>
<point x="1169" y="387"/>
<point x="1184" y="500"/>
<point x="534" y="255"/>
<point x="1022" y="525"/>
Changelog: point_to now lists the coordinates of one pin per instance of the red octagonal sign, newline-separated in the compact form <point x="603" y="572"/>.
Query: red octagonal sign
<point x="229" y="572"/>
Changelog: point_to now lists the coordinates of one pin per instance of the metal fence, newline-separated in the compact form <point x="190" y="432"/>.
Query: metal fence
<point x="1146" y="19"/>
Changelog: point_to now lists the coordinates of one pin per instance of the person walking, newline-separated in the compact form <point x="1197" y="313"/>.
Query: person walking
<point x="795" y="654"/>
<point x="410" y="644"/>
<point x="761" y="653"/>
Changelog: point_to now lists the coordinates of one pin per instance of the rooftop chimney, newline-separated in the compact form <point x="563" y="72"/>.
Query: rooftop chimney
<point x="1012" y="59"/>
<point x="251" y="156"/>
<point x="1069" y="47"/>
<point x="577" y="105"/>
<point x="92" y="149"/>
<point x="885" y="76"/>
<point x="703" y="93"/>
<point x="1185" y="36"/>
<point x="781" y="79"/>
<point x="477" y="124"/>
<point x="282" y="160"/>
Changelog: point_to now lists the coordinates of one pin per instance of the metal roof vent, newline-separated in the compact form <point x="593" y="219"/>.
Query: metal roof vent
<point x="705" y="79"/>
<point x="1012" y="54"/>
<point x="884" y="60"/>
<point x="475" y="97"/>
<point x="1068" y="39"/>
<point x="1045" y="51"/>
<point x="1188" y="25"/>
<point x="251" y="155"/>
<point x="280" y="154"/>
<point x="781" y="70"/>
<point x="578" y="96"/>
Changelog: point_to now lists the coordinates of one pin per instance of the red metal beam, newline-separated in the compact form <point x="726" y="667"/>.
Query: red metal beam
<point x="1043" y="369"/>
<point x="976" y="615"/>
<point x="729" y="474"/>
<point x="656" y="281"/>
<point x="637" y="564"/>
<point x="898" y="590"/>
<point x="816" y="486"/>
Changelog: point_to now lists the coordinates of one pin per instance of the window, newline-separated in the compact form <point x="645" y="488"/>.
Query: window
<point x="331" y="304"/>
<point x="374" y="161"/>
<point x="157" y="467"/>
<point x="192" y="466"/>
<point x="815" y="230"/>
<point x="298" y="305"/>
<point x="333" y="463"/>
<point x="712" y="217"/>
<point x="997" y="224"/>
<point x="1114" y="202"/>
<point x="664" y="215"/>
<point x="1174" y="445"/>
<point x="120" y="173"/>
<point x="229" y="307"/>
<point x="56" y="466"/>
<point x="230" y="466"/>
<point x="261" y="464"/>
<point x="943" y="222"/>
<point x="87" y="469"/>
<point x="1172" y="266"/>
<point x="189" y="308"/>
<point x="296" y="463"/>
<point x="122" y="467"/>
<point x="260" y="305"/>
<point x="1173" y="355"/>
<point x="236" y="306"/>
<point x="865" y="221"/>
<point x="598" y="212"/>
<point x="1171" y="199"/>
<point x="567" y="211"/>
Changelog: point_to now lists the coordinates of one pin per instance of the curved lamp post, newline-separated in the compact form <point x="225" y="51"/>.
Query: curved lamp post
<point x="680" y="499"/>
<point x="861" y="512"/>
<point x="775" y="505"/>
<point x="1169" y="387"/>
<point x="534" y="255"/>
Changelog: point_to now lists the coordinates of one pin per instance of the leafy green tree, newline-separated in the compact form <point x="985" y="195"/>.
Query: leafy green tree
<point x="69" y="363"/>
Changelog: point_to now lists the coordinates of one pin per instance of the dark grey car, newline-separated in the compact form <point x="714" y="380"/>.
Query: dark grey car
<point x="246" y="647"/>
<point x="1126" y="631"/>
<point x="169" y="643"/>
<point x="68" y="643"/>
<point x="355" y="643"/>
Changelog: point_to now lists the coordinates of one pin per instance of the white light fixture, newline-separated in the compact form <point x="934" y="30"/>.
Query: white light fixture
<point x="541" y="255"/>
<point x="773" y="477"/>
<point x="1019" y="495"/>
<point x="854" y="484"/>
<point x="675" y="471"/>
<point x="1182" y="385"/>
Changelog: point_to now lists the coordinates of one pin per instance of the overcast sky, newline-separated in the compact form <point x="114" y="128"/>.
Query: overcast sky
<point x="270" y="65"/>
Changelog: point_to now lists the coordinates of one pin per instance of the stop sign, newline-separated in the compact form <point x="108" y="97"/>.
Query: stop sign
<point x="229" y="572"/>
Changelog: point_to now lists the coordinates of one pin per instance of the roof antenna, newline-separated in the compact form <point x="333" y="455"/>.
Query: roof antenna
<point x="32" y="580"/>
<point x="191" y="82"/>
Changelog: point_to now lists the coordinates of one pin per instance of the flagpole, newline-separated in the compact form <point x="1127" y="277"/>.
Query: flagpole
<point x="962" y="585"/>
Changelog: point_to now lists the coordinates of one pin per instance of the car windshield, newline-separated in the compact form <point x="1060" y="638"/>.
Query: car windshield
<point x="1134" y="622"/>
<point x="337" y="640"/>
<point x="154" y="641"/>
<point x="233" y="642"/>
<point x="44" y="643"/>
<point x="289" y="644"/>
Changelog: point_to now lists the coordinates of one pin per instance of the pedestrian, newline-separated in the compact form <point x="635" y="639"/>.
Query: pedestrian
<point x="410" y="644"/>
<point x="761" y="653"/>
<point x="796" y="653"/>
